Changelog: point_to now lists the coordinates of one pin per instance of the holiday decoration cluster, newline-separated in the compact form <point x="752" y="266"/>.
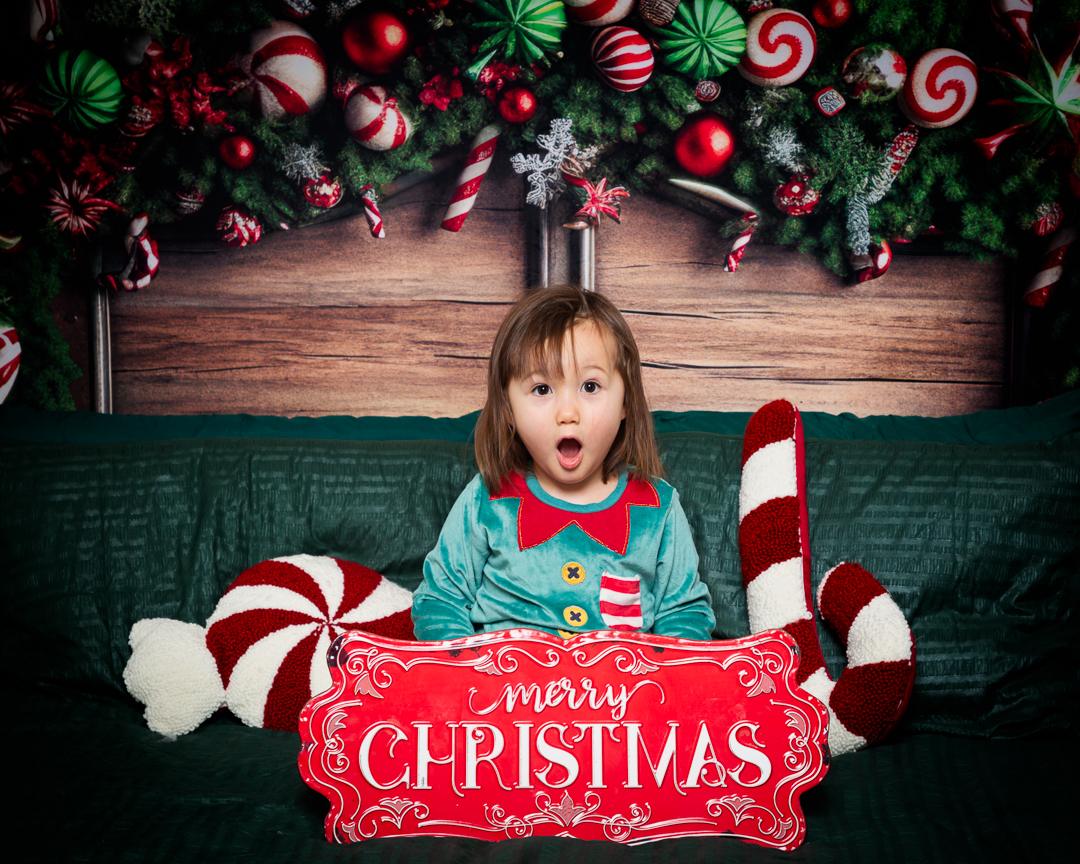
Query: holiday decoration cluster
<point x="837" y="127"/>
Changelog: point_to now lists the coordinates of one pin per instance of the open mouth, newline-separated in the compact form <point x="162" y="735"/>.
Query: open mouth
<point x="570" y="450"/>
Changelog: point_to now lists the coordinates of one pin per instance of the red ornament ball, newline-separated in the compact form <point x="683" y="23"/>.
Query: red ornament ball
<point x="518" y="104"/>
<point x="237" y="151"/>
<point x="832" y="13"/>
<point x="704" y="145"/>
<point x="377" y="39"/>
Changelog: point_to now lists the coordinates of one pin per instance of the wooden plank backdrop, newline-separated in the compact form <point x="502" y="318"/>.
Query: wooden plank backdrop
<point x="327" y="320"/>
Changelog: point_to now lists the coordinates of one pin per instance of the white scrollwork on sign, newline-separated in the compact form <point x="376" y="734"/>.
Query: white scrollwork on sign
<point x="627" y="661"/>
<point x="755" y="678"/>
<point x="393" y="810"/>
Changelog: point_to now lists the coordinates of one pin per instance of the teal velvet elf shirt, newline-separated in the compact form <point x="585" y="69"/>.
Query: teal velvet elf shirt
<point x="525" y="559"/>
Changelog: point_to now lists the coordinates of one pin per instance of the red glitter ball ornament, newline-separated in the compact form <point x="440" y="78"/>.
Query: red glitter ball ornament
<point x="237" y="151"/>
<point x="704" y="145"/>
<point x="377" y="38"/>
<point x="832" y="13"/>
<point x="518" y="104"/>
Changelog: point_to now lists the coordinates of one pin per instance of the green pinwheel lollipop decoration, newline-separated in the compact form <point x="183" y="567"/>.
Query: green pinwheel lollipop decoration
<point x="704" y="39"/>
<point x="1047" y="102"/>
<point x="525" y="29"/>
<point x="82" y="89"/>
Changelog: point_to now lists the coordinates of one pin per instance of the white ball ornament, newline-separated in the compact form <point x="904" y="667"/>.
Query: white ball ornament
<point x="10" y="354"/>
<point x="598" y="13"/>
<point x="780" y="46"/>
<point x="623" y="57"/>
<point x="940" y="89"/>
<point x="374" y="119"/>
<point x="288" y="70"/>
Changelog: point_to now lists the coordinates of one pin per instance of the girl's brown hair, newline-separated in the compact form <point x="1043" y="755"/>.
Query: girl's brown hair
<point x="530" y="339"/>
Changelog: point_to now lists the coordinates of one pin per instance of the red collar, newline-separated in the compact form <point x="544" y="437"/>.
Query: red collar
<point x="539" y="522"/>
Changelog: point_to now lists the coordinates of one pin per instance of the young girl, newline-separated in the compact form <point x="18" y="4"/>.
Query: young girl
<point x="568" y="527"/>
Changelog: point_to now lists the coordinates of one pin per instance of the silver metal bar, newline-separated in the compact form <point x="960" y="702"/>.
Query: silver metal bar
<point x="101" y="349"/>
<point x="586" y="239"/>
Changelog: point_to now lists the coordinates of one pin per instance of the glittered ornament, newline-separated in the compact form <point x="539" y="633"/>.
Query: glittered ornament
<point x="940" y="89"/>
<point x="796" y="198"/>
<point x="874" y="72"/>
<point x="780" y="46"/>
<point x="298" y="9"/>
<point x="82" y="90"/>
<point x="518" y="105"/>
<point x="237" y="151"/>
<point x="658" y="13"/>
<point x="831" y="13"/>
<point x="238" y="228"/>
<point x="288" y="70"/>
<point x="1047" y="219"/>
<point x="704" y="145"/>
<point x="597" y="13"/>
<point x="623" y="58"/>
<point x="189" y="201"/>
<point x="829" y="101"/>
<point x="10" y="355"/>
<point x="524" y="29"/>
<point x="706" y="91"/>
<point x="704" y="39"/>
<point x="374" y="120"/>
<point x="323" y="192"/>
<point x="376" y="38"/>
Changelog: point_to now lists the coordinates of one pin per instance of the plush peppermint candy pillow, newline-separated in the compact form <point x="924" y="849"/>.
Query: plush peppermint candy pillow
<point x="263" y="650"/>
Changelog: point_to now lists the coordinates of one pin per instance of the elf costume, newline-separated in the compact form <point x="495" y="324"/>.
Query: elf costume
<point x="521" y="558"/>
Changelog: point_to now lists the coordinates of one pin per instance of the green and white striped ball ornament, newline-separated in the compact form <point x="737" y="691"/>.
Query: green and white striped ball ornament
<point x="704" y="39"/>
<point x="82" y="89"/>
<point x="526" y="29"/>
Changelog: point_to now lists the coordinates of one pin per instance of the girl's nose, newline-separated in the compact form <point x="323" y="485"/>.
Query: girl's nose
<point x="568" y="408"/>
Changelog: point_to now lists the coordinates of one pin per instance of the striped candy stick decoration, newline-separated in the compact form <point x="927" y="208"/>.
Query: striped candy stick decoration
<point x="738" y="248"/>
<point x="371" y="211"/>
<point x="1045" y="280"/>
<point x="872" y="693"/>
<point x="468" y="183"/>
<point x="620" y="602"/>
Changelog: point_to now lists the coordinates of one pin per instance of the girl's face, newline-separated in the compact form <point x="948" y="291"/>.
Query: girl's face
<point x="569" y="423"/>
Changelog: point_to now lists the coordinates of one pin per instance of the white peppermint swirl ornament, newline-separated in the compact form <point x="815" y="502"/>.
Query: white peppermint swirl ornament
<point x="597" y="13"/>
<point x="288" y="70"/>
<point x="374" y="119"/>
<point x="10" y="353"/>
<point x="940" y="89"/>
<point x="780" y="46"/>
<point x="623" y="57"/>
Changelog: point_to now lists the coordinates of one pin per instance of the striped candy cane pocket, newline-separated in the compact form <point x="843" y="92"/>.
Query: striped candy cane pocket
<point x="620" y="602"/>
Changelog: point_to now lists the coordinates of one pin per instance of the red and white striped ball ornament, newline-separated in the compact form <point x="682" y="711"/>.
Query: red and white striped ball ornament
<point x="10" y="354"/>
<point x="873" y="691"/>
<point x="780" y="46"/>
<point x="263" y="650"/>
<point x="374" y="119"/>
<point x="287" y="69"/>
<point x="598" y="13"/>
<point x="940" y="89"/>
<point x="623" y="57"/>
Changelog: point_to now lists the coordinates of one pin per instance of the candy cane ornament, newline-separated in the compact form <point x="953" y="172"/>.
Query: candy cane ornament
<point x="371" y="211"/>
<point x="1049" y="273"/>
<point x="738" y="248"/>
<point x="940" y="89"/>
<point x="871" y="694"/>
<point x="1013" y="19"/>
<point x="468" y="183"/>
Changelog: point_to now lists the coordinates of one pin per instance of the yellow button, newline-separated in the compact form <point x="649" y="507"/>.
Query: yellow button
<point x="575" y="616"/>
<point x="573" y="573"/>
<point x="566" y="634"/>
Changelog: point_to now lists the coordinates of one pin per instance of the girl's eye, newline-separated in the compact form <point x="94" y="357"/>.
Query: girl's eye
<point x="541" y="390"/>
<point x="590" y="387"/>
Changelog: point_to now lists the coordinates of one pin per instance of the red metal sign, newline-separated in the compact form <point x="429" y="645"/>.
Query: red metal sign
<point x="624" y="737"/>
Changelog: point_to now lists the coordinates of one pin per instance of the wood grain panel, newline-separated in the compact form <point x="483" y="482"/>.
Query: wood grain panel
<point x="327" y="320"/>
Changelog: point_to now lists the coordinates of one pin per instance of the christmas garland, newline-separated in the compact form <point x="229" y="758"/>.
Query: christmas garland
<point x="247" y="117"/>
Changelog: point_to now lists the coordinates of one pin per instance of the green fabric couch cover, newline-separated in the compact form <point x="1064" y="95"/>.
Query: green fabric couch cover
<point x="972" y="523"/>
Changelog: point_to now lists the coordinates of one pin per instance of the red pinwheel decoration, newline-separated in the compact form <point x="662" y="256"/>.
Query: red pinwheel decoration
<point x="15" y="108"/>
<point x="75" y="209"/>
<point x="594" y="201"/>
<point x="1047" y="102"/>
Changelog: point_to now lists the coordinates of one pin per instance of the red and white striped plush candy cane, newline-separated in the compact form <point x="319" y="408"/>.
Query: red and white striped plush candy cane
<point x="871" y="694"/>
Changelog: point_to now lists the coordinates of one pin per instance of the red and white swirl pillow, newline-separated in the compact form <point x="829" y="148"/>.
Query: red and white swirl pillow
<point x="262" y="653"/>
